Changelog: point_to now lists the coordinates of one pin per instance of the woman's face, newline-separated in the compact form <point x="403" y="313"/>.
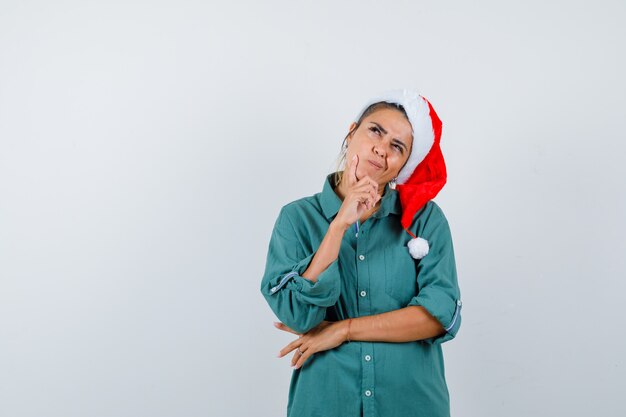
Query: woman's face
<point x="383" y="144"/>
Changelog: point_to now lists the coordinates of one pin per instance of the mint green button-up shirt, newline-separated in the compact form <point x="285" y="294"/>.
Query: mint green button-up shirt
<point x="374" y="273"/>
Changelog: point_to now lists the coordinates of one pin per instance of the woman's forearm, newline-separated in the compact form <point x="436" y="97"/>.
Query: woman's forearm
<point x="404" y="325"/>
<point x="326" y="253"/>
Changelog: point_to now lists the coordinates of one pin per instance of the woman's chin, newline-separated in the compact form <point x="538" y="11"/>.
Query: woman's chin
<point x="373" y="172"/>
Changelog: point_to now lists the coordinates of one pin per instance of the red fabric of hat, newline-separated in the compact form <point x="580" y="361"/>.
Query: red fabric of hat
<point x="427" y="179"/>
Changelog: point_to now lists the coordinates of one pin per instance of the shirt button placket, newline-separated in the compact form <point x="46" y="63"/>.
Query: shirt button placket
<point x="364" y="309"/>
<point x="367" y="365"/>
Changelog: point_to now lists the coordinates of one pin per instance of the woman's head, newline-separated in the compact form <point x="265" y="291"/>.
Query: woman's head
<point x="382" y="138"/>
<point x="408" y="117"/>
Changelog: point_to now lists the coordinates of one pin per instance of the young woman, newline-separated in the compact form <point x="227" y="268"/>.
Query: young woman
<point x="364" y="272"/>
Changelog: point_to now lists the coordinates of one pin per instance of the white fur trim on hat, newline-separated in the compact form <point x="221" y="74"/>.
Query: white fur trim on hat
<point x="418" y="247"/>
<point x="418" y="112"/>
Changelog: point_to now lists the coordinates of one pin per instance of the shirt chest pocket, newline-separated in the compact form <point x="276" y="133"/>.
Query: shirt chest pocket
<point x="400" y="274"/>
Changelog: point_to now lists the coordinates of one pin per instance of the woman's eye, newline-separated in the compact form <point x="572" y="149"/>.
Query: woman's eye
<point x="375" y="129"/>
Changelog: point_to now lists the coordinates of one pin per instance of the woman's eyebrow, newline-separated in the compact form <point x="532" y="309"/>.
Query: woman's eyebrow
<point x="382" y="129"/>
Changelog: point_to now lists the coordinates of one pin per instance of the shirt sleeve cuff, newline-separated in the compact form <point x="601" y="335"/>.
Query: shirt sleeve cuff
<point x="441" y="310"/>
<point x="323" y="293"/>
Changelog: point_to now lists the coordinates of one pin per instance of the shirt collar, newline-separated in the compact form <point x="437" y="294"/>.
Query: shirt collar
<point x="330" y="201"/>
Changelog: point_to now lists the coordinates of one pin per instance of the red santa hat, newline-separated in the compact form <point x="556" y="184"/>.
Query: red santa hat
<point x="424" y="173"/>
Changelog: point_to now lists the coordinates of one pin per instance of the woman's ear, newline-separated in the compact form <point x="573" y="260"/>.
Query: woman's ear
<point x="351" y="130"/>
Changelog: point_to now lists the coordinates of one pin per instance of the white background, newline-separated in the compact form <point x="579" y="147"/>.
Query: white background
<point x="146" y="148"/>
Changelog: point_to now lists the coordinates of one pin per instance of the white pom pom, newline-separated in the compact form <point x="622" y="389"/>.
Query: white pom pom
<point x="418" y="247"/>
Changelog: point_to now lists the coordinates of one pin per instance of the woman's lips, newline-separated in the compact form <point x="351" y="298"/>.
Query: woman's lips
<point x="374" y="164"/>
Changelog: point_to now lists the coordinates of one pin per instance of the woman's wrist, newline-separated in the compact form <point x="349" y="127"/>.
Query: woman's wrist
<point x="346" y="329"/>
<point x="336" y="226"/>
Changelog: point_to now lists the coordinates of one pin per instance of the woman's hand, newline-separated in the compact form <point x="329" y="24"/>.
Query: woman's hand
<point x="327" y="335"/>
<point x="360" y="195"/>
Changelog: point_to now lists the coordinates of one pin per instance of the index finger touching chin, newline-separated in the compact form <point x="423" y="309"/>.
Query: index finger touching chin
<point x="353" y="166"/>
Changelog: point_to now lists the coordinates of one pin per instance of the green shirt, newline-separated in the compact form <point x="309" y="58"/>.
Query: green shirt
<point x="374" y="273"/>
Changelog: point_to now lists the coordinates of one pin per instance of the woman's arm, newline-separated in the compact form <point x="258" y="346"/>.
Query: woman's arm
<point x="296" y="301"/>
<point x="326" y="253"/>
<point x="361" y="195"/>
<point x="403" y="325"/>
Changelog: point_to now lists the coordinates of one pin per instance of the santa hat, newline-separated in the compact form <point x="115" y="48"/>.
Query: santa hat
<point x="424" y="173"/>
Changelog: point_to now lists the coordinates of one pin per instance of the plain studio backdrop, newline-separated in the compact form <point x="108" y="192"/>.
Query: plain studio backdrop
<point x="147" y="147"/>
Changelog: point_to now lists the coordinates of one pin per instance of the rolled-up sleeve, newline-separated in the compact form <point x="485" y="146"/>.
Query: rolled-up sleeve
<point x="297" y="302"/>
<point x="438" y="290"/>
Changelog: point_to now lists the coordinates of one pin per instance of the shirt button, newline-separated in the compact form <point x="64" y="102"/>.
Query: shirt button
<point x="363" y="293"/>
<point x="361" y="257"/>
<point x="368" y="393"/>
<point x="368" y="358"/>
